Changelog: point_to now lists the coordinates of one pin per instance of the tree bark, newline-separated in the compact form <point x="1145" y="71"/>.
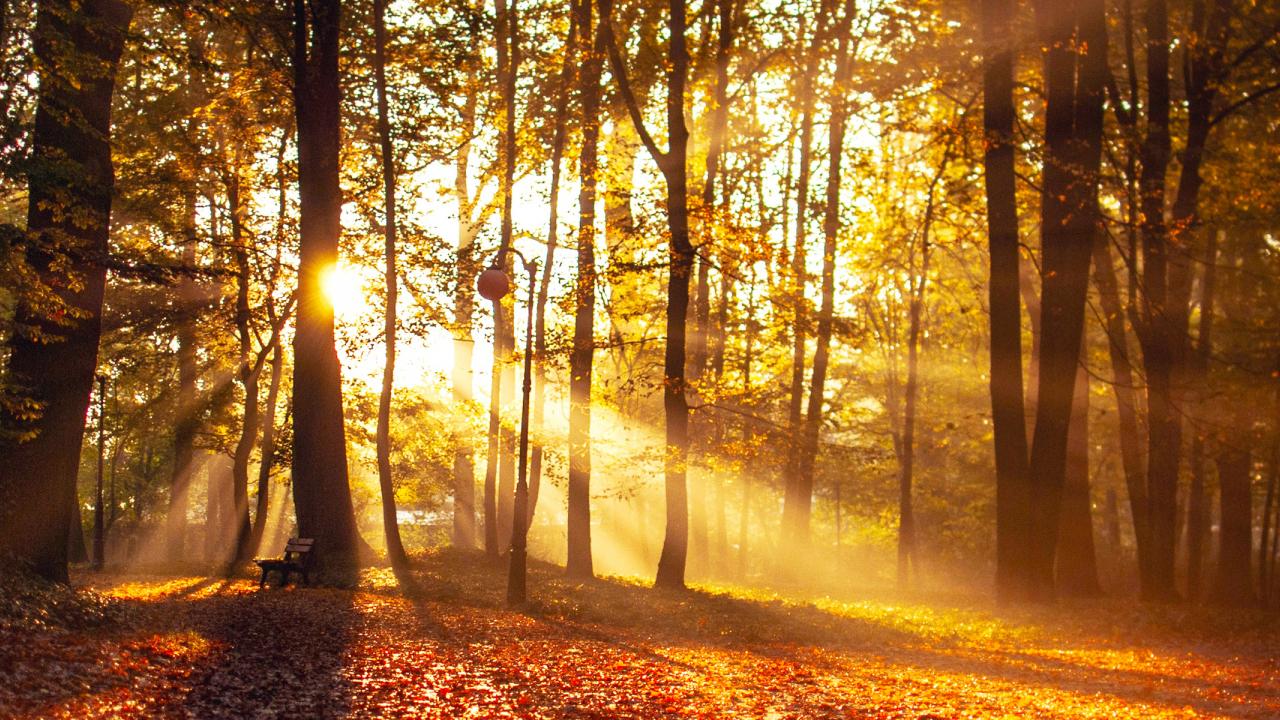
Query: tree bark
<point x="322" y="496"/>
<point x="1197" y="509"/>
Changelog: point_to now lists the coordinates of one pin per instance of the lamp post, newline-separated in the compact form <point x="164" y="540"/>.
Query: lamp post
<point x="493" y="284"/>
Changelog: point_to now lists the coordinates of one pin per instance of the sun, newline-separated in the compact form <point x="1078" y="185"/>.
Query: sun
<point x="344" y="289"/>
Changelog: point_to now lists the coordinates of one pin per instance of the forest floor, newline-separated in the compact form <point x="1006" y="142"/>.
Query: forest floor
<point x="166" y="646"/>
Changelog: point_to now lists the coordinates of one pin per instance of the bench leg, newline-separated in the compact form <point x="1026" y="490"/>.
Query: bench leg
<point x="262" y="580"/>
<point x="284" y="578"/>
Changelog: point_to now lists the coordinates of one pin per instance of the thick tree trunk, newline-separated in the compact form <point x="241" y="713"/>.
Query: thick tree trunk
<point x="322" y="496"/>
<point x="582" y="355"/>
<point x="1008" y="415"/>
<point x="390" y="523"/>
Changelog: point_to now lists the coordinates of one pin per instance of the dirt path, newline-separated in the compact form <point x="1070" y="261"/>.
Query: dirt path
<point x="198" y="648"/>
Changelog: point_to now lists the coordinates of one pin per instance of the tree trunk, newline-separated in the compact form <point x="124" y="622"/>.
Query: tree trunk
<point x="390" y="522"/>
<point x="508" y="56"/>
<point x="1197" y="510"/>
<point x="464" y="483"/>
<point x="907" y="556"/>
<point x="267" y="453"/>
<point x="799" y="278"/>
<point x="322" y="496"/>
<point x="590" y="50"/>
<point x="1123" y="386"/>
<point x="1069" y="221"/>
<point x="803" y="497"/>
<point x="1160" y="346"/>
<point x="1234" y="582"/>
<point x="247" y="374"/>
<point x="188" y="414"/>
<point x="1077" y="565"/>
<point x="1008" y="414"/>
<point x="544" y="282"/>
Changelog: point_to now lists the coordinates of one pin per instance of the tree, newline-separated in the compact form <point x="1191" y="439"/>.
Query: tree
<point x="53" y="356"/>
<point x="390" y="523"/>
<point x="1008" y="415"/>
<point x="589" y="51"/>
<point x="322" y="497"/>
<point x="671" y="163"/>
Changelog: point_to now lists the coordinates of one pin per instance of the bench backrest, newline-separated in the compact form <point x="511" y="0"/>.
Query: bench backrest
<point x="299" y="549"/>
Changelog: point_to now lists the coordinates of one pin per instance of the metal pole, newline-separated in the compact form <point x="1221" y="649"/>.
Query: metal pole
<point x="517" y="573"/>
<point x="99" y="553"/>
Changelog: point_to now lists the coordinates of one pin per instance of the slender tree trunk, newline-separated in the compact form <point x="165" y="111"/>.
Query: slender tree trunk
<point x="464" y="488"/>
<point x="700" y="355"/>
<point x="1159" y="344"/>
<point x="1234" y="582"/>
<point x="390" y="523"/>
<point x="508" y="56"/>
<point x="1202" y="72"/>
<point x="1122" y="385"/>
<point x="1268" y="508"/>
<point x="544" y="282"/>
<point x="907" y="556"/>
<point x="1077" y="567"/>
<point x="248" y="375"/>
<point x="1197" y="510"/>
<point x="188" y="415"/>
<point x="799" y="276"/>
<point x="322" y="496"/>
<point x="580" y="360"/>
<point x="826" y="313"/>
<point x="267" y="453"/>
<point x="1013" y="494"/>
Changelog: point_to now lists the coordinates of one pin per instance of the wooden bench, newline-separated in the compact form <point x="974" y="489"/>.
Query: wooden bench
<point x="297" y="559"/>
